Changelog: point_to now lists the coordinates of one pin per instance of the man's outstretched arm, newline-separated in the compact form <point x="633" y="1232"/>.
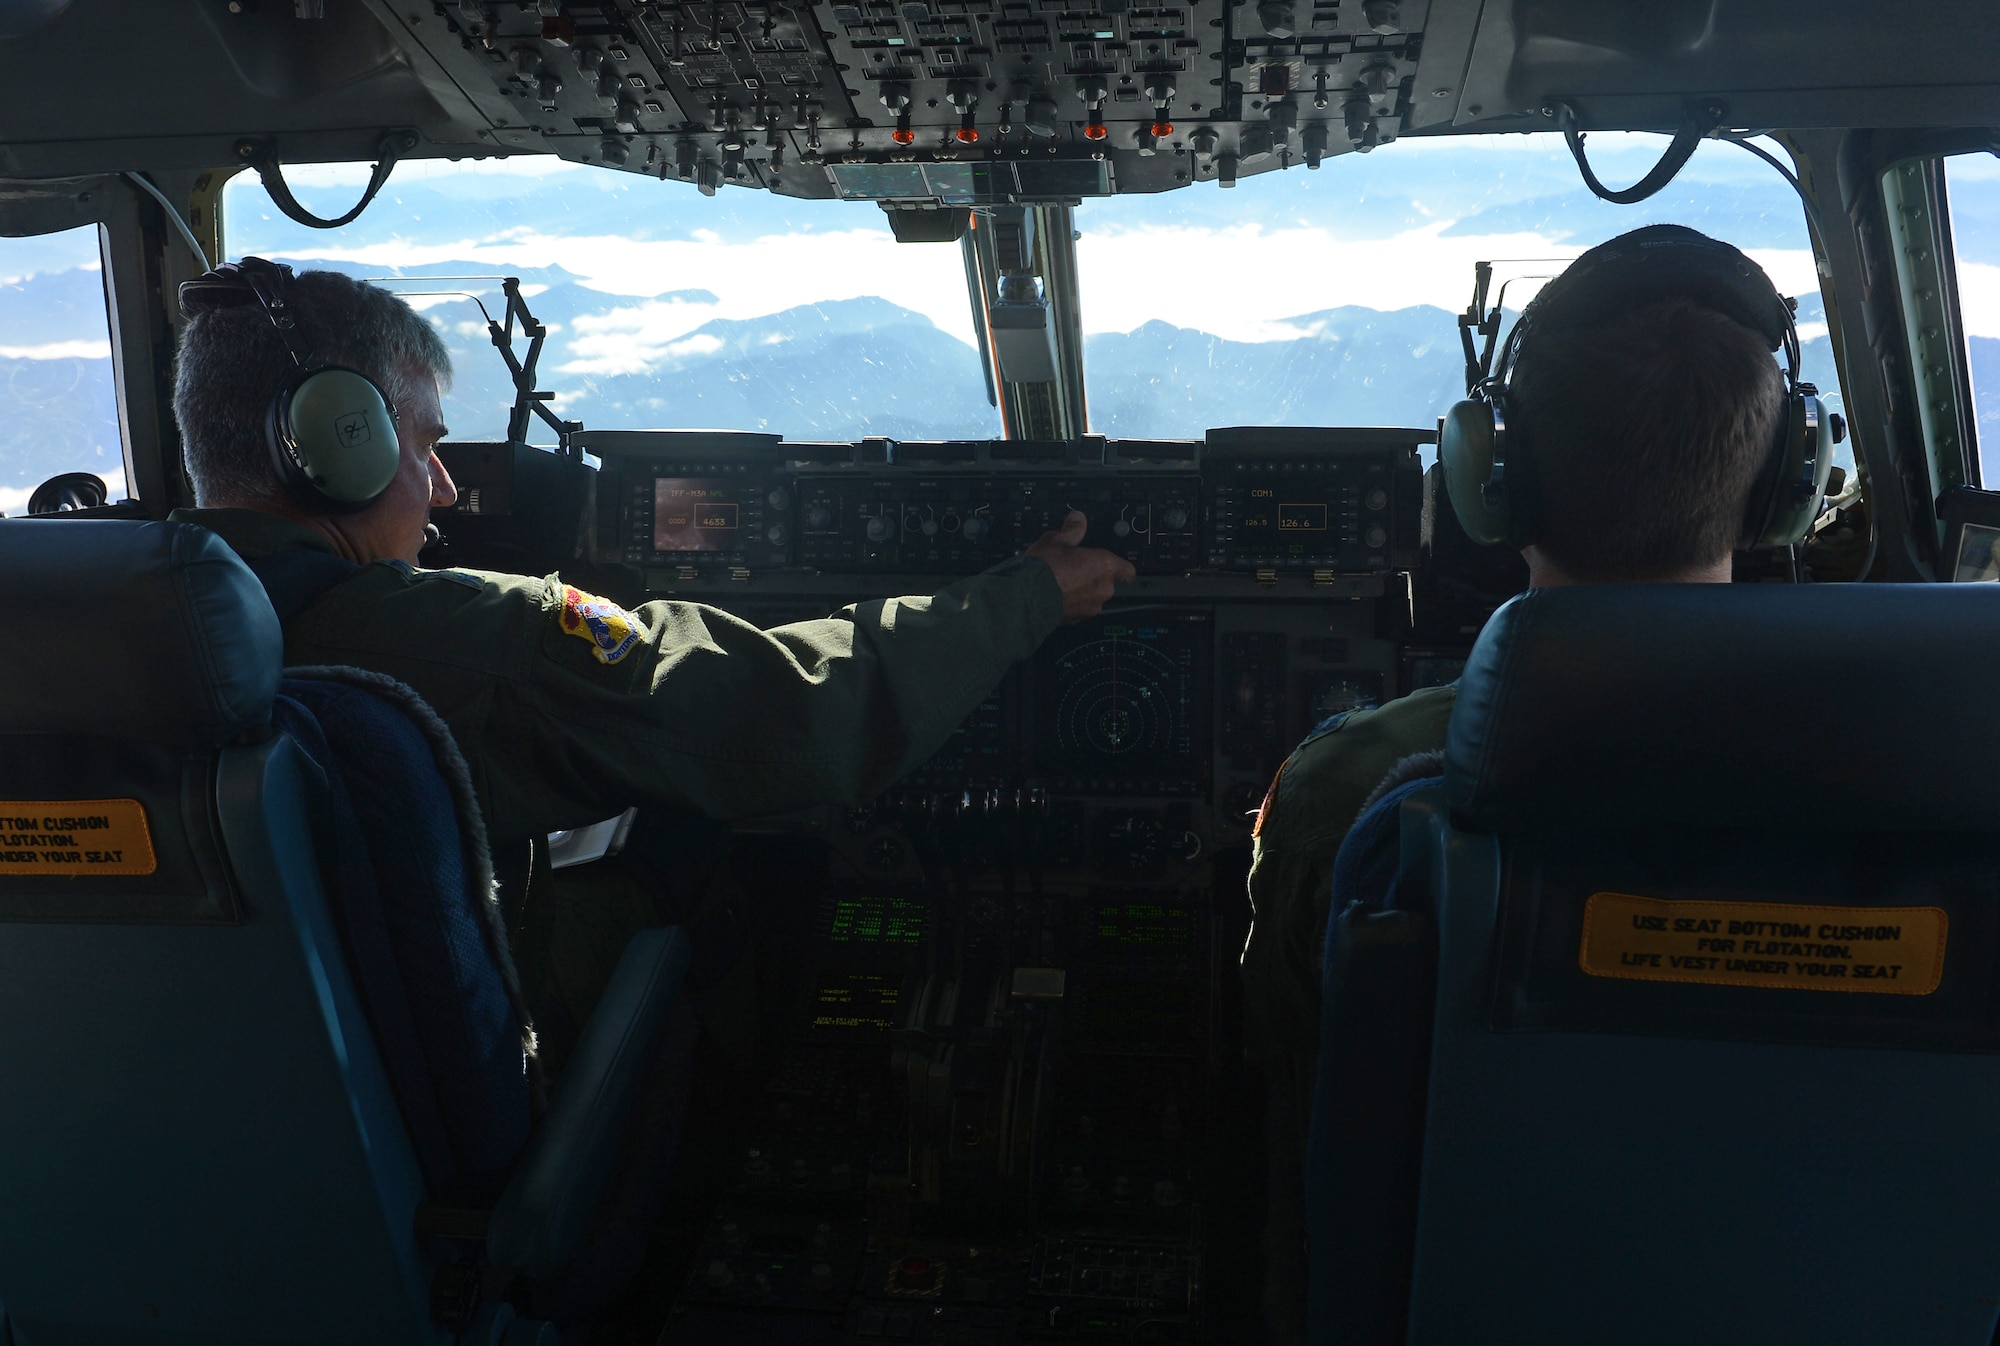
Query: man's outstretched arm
<point x="720" y="716"/>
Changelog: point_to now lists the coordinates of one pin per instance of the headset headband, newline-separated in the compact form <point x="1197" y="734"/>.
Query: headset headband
<point x="250" y="281"/>
<point x="1660" y="262"/>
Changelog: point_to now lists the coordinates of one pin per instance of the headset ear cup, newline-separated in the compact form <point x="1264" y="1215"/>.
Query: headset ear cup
<point x="1466" y="449"/>
<point x="333" y="438"/>
<point x="1785" y="506"/>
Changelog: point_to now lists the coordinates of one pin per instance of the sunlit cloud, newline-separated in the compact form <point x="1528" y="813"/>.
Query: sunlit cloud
<point x="638" y="340"/>
<point x="750" y="277"/>
<point x="14" y="499"/>
<point x="635" y="338"/>
<point x="1132" y="273"/>
<point x="59" y="350"/>
<point x="1979" y="297"/>
<point x="1311" y="270"/>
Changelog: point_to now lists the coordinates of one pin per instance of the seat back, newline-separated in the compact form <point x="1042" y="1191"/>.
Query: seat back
<point x="202" y="1142"/>
<point x="411" y="888"/>
<point x="1706" y="925"/>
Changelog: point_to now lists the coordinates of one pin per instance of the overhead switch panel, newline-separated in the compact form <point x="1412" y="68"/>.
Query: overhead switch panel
<point x="929" y="103"/>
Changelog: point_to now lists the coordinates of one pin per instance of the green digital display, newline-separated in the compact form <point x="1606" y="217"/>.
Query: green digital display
<point x="863" y="1001"/>
<point x="1143" y="925"/>
<point x="875" y="918"/>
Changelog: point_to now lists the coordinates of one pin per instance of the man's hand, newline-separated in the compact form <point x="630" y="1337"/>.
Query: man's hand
<point x="1087" y="574"/>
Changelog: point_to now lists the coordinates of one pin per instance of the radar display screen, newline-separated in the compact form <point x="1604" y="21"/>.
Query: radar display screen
<point x="1122" y="704"/>
<point x="697" y="514"/>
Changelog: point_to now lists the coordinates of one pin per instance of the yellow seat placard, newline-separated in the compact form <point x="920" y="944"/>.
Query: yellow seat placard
<point x="1880" y="950"/>
<point x="75" y="838"/>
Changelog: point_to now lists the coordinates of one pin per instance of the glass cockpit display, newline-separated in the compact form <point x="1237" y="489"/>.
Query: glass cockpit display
<point x="697" y="514"/>
<point x="1122" y="703"/>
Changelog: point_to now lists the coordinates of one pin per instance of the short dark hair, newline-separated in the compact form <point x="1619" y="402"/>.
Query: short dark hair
<point x="1646" y="432"/>
<point x="231" y="362"/>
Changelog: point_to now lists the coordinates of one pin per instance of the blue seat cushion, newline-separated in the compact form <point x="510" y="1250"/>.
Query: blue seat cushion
<point x="423" y="948"/>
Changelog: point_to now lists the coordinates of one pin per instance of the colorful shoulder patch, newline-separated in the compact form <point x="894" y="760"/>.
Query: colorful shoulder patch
<point x="610" y="629"/>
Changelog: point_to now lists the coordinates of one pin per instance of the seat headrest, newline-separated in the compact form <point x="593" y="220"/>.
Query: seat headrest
<point x="150" y="631"/>
<point x="1858" y="706"/>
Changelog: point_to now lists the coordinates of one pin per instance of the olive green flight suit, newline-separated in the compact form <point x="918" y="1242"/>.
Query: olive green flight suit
<point x="1311" y="805"/>
<point x="1305" y="817"/>
<point x="569" y="709"/>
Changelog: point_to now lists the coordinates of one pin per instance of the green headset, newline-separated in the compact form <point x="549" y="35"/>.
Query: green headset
<point x="331" y="430"/>
<point x="1489" y="474"/>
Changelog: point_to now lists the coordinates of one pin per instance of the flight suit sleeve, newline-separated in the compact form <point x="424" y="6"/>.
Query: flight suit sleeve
<point x="1298" y="833"/>
<point x="677" y="703"/>
<point x="1306" y="815"/>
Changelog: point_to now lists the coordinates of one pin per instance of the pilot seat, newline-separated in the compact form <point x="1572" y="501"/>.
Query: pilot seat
<point x="1679" y="1019"/>
<point x="265" y="1075"/>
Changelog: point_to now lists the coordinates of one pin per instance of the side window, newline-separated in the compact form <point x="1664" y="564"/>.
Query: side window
<point x="58" y="406"/>
<point x="1973" y="183"/>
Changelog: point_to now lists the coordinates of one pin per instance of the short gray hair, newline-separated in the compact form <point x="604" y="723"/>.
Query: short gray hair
<point x="231" y="362"/>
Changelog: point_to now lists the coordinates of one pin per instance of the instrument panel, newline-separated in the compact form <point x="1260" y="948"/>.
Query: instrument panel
<point x="962" y="523"/>
<point x="1000" y="1098"/>
<point x="1338" y="502"/>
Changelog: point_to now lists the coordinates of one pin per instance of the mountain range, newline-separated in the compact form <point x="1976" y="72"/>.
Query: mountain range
<point x="834" y="370"/>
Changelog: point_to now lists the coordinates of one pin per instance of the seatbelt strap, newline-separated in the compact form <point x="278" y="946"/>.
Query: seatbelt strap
<point x="298" y="577"/>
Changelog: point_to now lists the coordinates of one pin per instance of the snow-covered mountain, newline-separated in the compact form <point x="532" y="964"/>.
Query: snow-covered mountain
<point x="832" y="370"/>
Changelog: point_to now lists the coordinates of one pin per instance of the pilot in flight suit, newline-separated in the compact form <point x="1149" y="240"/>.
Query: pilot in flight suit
<point x="568" y="708"/>
<point x="1651" y="419"/>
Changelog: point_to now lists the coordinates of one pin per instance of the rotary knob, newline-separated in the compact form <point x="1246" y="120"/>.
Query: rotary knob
<point x="977" y="527"/>
<point x="880" y="528"/>
<point x="929" y="527"/>
<point x="1174" y="519"/>
<point x="1376" y="536"/>
<point x="1377" y="499"/>
<point x="777" y="533"/>
<point x="818" y="517"/>
<point x="779" y="498"/>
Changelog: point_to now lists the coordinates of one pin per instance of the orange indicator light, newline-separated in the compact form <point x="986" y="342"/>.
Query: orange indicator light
<point x="968" y="134"/>
<point x="903" y="135"/>
<point x="1161" y="130"/>
<point x="1095" y="131"/>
